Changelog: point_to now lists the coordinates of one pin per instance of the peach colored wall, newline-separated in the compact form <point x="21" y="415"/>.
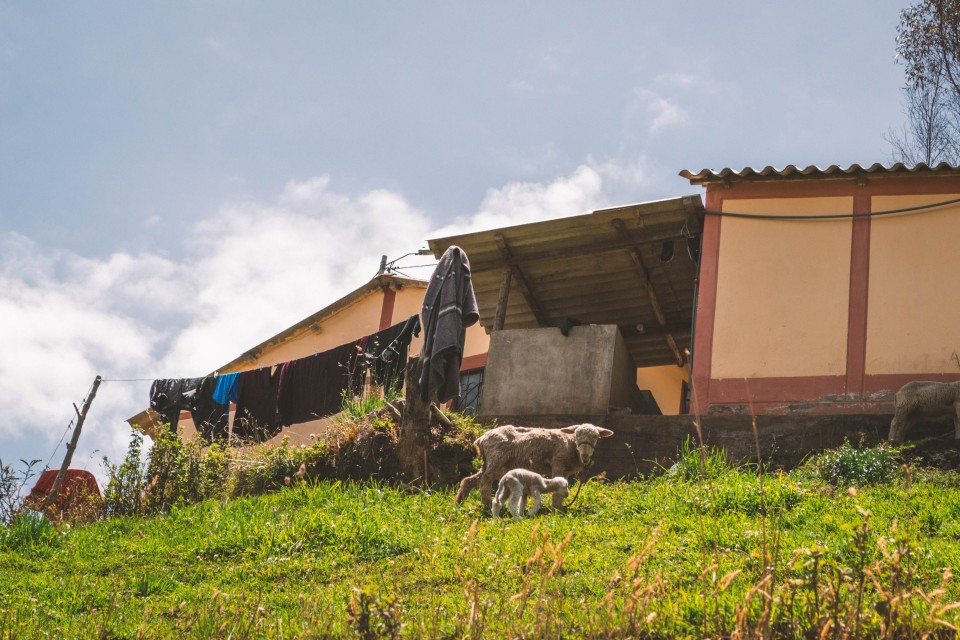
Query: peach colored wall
<point x="477" y="341"/>
<point x="666" y="384"/>
<point x="913" y="307"/>
<point x="359" y="319"/>
<point x="782" y="290"/>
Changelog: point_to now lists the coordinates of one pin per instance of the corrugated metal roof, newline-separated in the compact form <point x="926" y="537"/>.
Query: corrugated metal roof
<point x="590" y="267"/>
<point x="833" y="171"/>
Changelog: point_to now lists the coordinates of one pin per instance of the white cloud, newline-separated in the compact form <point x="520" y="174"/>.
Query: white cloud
<point x="664" y="113"/>
<point x="653" y="113"/>
<point x="520" y="202"/>
<point x="252" y="269"/>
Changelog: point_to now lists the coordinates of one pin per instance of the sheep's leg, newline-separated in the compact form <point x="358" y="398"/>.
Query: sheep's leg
<point x="516" y="503"/>
<point x="498" y="501"/>
<point x="537" y="503"/>
<point x="467" y="485"/>
<point x="486" y="487"/>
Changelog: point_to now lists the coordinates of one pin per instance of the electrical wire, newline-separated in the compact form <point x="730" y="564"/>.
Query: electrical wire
<point x="824" y="216"/>
<point x="57" y="448"/>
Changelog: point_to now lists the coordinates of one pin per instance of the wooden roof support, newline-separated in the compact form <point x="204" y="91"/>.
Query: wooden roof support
<point x="651" y="293"/>
<point x="517" y="275"/>
<point x="501" y="316"/>
<point x="628" y="241"/>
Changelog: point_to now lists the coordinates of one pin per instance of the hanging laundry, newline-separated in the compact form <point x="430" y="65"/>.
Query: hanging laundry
<point x="449" y="307"/>
<point x="169" y="396"/>
<point x="314" y="387"/>
<point x="209" y="416"/>
<point x="387" y="352"/>
<point x="226" y="390"/>
<point x="256" y="413"/>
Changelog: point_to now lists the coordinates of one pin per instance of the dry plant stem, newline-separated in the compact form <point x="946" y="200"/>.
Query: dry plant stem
<point x="713" y="506"/>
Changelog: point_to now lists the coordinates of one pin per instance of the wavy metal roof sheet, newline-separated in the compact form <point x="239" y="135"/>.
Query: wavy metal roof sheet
<point x="604" y="267"/>
<point x="833" y="171"/>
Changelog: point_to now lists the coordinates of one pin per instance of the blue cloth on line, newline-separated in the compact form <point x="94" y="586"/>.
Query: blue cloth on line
<point x="226" y="390"/>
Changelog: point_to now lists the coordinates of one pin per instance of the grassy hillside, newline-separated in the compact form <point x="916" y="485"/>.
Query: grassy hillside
<point x="705" y="551"/>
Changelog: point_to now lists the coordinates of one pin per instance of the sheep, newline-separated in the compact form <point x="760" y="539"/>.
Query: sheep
<point x="924" y="399"/>
<point x="550" y="452"/>
<point x="519" y="484"/>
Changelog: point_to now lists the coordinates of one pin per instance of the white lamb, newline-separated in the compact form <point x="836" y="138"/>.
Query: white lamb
<point x="519" y="484"/>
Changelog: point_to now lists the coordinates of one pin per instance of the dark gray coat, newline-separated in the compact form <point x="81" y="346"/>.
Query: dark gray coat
<point x="449" y="307"/>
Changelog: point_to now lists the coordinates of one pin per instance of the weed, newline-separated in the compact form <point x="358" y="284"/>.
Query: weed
<point x="28" y="531"/>
<point x="174" y="473"/>
<point x="373" y="617"/>
<point x="12" y="484"/>
<point x="695" y="463"/>
<point x="852" y="466"/>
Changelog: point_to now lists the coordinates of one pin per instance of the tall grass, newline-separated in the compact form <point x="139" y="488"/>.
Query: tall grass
<point x="708" y="549"/>
<point x="662" y="557"/>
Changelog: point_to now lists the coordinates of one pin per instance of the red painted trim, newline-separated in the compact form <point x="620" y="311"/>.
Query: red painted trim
<point x="764" y="390"/>
<point x="859" y="290"/>
<point x="478" y="361"/>
<point x="824" y="394"/>
<point x="877" y="383"/>
<point x="386" y="310"/>
<point x="706" y="305"/>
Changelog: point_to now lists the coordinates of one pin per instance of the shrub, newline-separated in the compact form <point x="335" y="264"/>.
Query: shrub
<point x="851" y="466"/>
<point x="183" y="473"/>
<point x="11" y="490"/>
<point x="123" y="495"/>
<point x="174" y="473"/>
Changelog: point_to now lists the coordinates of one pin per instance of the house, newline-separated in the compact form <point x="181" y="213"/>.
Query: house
<point x="804" y="297"/>
<point x="781" y="315"/>
<point x="825" y="290"/>
<point x="384" y="301"/>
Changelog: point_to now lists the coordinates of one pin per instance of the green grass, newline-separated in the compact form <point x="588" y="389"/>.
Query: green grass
<point x="680" y="555"/>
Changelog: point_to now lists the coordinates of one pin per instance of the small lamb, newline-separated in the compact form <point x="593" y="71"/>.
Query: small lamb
<point x="519" y="484"/>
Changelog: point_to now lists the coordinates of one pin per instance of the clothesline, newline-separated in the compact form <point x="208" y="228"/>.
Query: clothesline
<point x="271" y="397"/>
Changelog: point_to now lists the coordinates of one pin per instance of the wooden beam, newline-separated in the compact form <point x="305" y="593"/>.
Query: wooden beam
<point x="651" y="294"/>
<point x="521" y="281"/>
<point x="501" y="316"/>
<point x="629" y="241"/>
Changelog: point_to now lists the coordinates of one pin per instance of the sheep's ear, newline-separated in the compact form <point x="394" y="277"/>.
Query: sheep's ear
<point x="572" y="429"/>
<point x="604" y="433"/>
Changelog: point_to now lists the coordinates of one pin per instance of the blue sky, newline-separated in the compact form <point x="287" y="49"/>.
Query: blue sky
<point x="181" y="180"/>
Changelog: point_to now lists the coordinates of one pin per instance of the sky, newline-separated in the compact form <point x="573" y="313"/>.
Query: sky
<point x="181" y="180"/>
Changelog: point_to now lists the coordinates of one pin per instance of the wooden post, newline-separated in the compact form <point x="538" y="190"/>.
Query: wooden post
<point x="501" y="316"/>
<point x="71" y="446"/>
<point x="414" y="440"/>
